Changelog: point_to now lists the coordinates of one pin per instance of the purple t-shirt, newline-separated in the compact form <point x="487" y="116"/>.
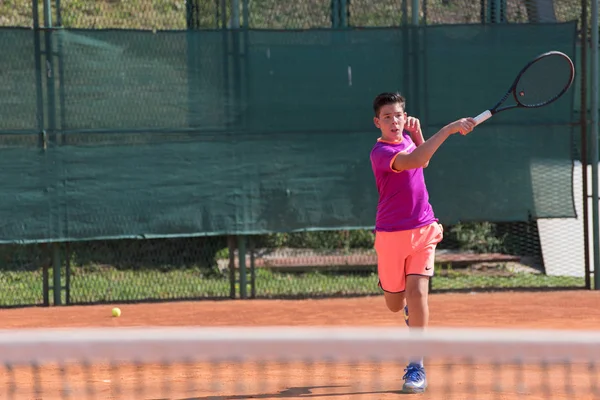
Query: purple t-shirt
<point x="403" y="198"/>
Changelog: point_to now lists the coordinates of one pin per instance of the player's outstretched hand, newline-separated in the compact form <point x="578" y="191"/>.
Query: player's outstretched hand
<point x="462" y="126"/>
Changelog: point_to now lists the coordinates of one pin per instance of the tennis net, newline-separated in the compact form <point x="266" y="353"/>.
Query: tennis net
<point x="295" y="362"/>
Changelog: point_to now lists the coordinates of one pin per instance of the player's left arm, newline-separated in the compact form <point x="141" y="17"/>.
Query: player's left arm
<point x="413" y="126"/>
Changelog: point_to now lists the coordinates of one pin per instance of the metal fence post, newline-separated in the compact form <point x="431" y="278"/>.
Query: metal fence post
<point x="344" y="12"/>
<point x="594" y="138"/>
<point x="335" y="13"/>
<point x="243" y="279"/>
<point x="583" y="118"/>
<point x="252" y="267"/>
<point x="231" y="247"/>
<point x="38" y="73"/>
<point x="56" y="267"/>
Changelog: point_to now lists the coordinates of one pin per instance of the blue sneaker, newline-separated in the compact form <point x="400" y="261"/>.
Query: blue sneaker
<point x="406" y="315"/>
<point x="415" y="380"/>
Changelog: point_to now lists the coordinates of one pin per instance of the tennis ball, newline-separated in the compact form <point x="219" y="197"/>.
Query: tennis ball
<point x="116" y="312"/>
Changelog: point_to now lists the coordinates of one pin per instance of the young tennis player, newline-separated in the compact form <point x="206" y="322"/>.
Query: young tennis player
<point x="406" y="229"/>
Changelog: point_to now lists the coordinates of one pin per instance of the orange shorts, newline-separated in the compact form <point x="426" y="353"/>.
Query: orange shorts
<point x="402" y="253"/>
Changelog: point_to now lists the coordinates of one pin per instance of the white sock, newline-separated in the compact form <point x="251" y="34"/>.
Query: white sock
<point x="418" y="361"/>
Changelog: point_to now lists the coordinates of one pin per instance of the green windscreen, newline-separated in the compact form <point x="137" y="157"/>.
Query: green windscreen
<point x="235" y="132"/>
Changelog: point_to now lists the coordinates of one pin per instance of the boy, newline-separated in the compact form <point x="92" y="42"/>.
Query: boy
<point x="406" y="230"/>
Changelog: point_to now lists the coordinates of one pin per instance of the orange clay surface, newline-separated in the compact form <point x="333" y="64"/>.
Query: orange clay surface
<point x="573" y="310"/>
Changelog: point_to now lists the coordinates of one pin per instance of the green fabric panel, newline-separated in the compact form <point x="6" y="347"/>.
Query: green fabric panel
<point x="171" y="134"/>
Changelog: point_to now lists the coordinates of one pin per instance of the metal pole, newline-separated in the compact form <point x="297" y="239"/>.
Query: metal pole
<point x="405" y="71"/>
<point x="482" y="13"/>
<point x="67" y="273"/>
<point x="58" y="14"/>
<point x="226" y="55"/>
<point x="235" y="35"/>
<point x="423" y="87"/>
<point x="497" y="11"/>
<point x="235" y="14"/>
<point x="61" y="76"/>
<point x="246" y="13"/>
<point x="415" y="12"/>
<point x="49" y="65"/>
<point x="56" y="265"/>
<point x="594" y="139"/>
<point x="242" y="264"/>
<point x="40" y="120"/>
<point x="252" y="269"/>
<point x="190" y="14"/>
<point x="344" y="13"/>
<point x="231" y="244"/>
<point x="245" y="84"/>
<point x="47" y="14"/>
<point x="416" y="58"/>
<point x="583" y="115"/>
<point x="335" y="14"/>
<point x="38" y="73"/>
<point x="46" y="284"/>
<point x="193" y="61"/>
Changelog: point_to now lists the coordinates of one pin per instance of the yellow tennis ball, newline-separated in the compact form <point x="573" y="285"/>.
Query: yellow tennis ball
<point x="116" y="312"/>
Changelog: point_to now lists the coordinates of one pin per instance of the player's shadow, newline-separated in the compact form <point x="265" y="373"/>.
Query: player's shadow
<point x="293" y="392"/>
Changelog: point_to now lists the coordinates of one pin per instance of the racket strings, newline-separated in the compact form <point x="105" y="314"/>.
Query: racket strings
<point x="544" y="81"/>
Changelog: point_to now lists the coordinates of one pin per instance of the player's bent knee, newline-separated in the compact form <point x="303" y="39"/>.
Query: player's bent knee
<point x="394" y="301"/>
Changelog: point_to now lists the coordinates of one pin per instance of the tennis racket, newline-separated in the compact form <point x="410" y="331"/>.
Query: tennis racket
<point x="541" y="82"/>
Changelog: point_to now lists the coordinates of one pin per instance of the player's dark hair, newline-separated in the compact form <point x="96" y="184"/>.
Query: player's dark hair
<point x="383" y="99"/>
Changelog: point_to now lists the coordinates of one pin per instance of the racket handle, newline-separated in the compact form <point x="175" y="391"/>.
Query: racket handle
<point x="483" y="116"/>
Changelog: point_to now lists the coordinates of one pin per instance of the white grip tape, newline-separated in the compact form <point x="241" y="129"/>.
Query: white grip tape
<point x="483" y="116"/>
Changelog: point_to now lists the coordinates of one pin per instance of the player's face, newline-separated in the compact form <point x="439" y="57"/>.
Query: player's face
<point x="391" y="121"/>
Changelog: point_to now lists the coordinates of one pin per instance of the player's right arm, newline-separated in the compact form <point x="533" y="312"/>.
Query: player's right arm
<point x="422" y="154"/>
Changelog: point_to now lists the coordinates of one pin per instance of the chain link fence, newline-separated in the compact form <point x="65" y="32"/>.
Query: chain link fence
<point x="24" y="274"/>
<point x="477" y="255"/>
<point x="472" y="256"/>
<point x="145" y="270"/>
<point x="114" y="271"/>
<point x="499" y="11"/>
<point x="273" y="14"/>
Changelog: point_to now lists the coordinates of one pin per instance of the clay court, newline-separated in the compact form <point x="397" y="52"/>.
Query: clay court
<point x="545" y="310"/>
<point x="576" y="310"/>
